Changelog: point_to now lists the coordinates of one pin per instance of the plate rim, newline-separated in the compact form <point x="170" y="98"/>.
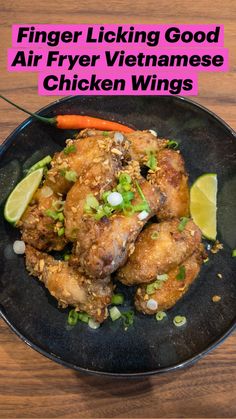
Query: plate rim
<point x="188" y="362"/>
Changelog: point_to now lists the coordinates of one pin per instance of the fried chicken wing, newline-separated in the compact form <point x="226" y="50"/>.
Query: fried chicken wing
<point x="159" y="248"/>
<point x="69" y="286"/>
<point x="142" y="142"/>
<point x="38" y="229"/>
<point x="84" y="154"/>
<point x="103" y="246"/>
<point x="168" y="292"/>
<point x="172" y="180"/>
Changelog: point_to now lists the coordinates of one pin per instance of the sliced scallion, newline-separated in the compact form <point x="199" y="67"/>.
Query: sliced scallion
<point x="182" y="224"/>
<point x="115" y="313"/>
<point x="160" y="315"/>
<point x="69" y="149"/>
<point x="117" y="299"/>
<point x="154" y="235"/>
<point x="172" y="144"/>
<point x="179" y="320"/>
<point x="234" y="253"/>
<point x="71" y="175"/>
<point x="181" y="274"/>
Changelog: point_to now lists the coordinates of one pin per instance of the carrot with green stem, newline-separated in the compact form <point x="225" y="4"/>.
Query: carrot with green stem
<point x="75" y="121"/>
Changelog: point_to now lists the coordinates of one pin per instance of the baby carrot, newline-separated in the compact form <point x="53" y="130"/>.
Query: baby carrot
<point x="76" y="121"/>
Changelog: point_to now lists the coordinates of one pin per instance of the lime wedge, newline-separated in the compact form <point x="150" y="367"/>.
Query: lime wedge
<point x="203" y="204"/>
<point x="21" y="196"/>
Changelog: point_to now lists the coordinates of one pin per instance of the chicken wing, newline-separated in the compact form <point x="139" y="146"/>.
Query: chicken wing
<point x="140" y="142"/>
<point x="80" y="156"/>
<point x="103" y="246"/>
<point x="69" y="286"/>
<point x="158" y="249"/>
<point x="37" y="228"/>
<point x="172" y="180"/>
<point x="167" y="293"/>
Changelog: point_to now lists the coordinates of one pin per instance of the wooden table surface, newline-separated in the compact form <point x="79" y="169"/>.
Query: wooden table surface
<point x="33" y="386"/>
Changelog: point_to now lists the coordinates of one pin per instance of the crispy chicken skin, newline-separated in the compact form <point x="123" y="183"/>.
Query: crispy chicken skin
<point x="37" y="228"/>
<point x="103" y="246"/>
<point x="168" y="249"/>
<point x="69" y="286"/>
<point x="143" y="141"/>
<point x="140" y="142"/>
<point x="172" y="289"/>
<point x="88" y="151"/>
<point x="172" y="180"/>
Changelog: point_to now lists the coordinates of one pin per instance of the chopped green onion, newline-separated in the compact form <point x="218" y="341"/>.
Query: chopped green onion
<point x="127" y="196"/>
<point x="154" y="235"/>
<point x="172" y="144"/>
<point x="182" y="224"/>
<point x="92" y="202"/>
<point x="40" y="164"/>
<point x="105" y="195"/>
<point x="141" y="194"/>
<point x="52" y="214"/>
<point x="115" y="313"/>
<point x="69" y="149"/>
<point x="156" y="285"/>
<point x="234" y="253"/>
<point x="71" y="175"/>
<point x="152" y="161"/>
<point x="124" y="178"/>
<point x="179" y="321"/>
<point x="182" y="273"/>
<point x="73" y="318"/>
<point x="206" y="260"/>
<point x="162" y="277"/>
<point x="105" y="133"/>
<point x="160" y="315"/>
<point x="83" y="317"/>
<point x="61" y="231"/>
<point x="66" y="257"/>
<point x="60" y="216"/>
<point x="128" y="319"/>
<point x="117" y="299"/>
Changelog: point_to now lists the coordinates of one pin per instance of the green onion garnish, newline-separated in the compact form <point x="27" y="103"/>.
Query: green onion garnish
<point x="182" y="273"/>
<point x="92" y="202"/>
<point x="74" y="317"/>
<point x="141" y="194"/>
<point x="179" y="320"/>
<point x="182" y="223"/>
<point x="234" y="253"/>
<point x="61" y="231"/>
<point x="117" y="299"/>
<point x="69" y="149"/>
<point x="160" y="315"/>
<point x="105" y="133"/>
<point x="156" y="285"/>
<point x="128" y="319"/>
<point x="52" y="214"/>
<point x="66" y="257"/>
<point x="162" y="277"/>
<point x="206" y="260"/>
<point x="115" y="313"/>
<point x="152" y="161"/>
<point x="124" y="178"/>
<point x="71" y="175"/>
<point x="154" y="235"/>
<point x="172" y="144"/>
<point x="40" y="164"/>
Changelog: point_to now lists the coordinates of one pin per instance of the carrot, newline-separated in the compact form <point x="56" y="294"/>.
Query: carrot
<point x="76" y="121"/>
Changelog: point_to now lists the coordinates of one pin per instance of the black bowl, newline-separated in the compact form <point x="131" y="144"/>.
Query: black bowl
<point x="148" y="347"/>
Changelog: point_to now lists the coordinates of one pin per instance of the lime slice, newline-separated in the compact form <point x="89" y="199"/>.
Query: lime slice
<point x="203" y="204"/>
<point x="21" y="196"/>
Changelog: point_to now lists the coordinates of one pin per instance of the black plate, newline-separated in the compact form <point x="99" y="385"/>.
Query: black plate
<point x="208" y="145"/>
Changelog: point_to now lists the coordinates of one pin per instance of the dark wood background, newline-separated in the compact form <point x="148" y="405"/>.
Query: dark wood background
<point x="33" y="386"/>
